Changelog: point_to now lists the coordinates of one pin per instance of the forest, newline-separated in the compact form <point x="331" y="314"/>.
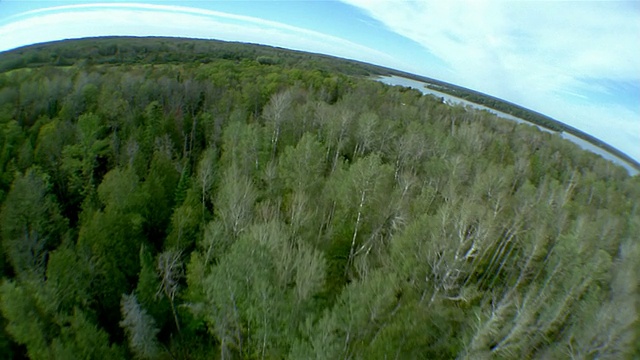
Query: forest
<point x="531" y="116"/>
<point x="511" y="109"/>
<point x="190" y="199"/>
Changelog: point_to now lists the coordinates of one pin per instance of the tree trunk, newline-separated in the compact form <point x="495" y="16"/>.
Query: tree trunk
<point x="355" y="231"/>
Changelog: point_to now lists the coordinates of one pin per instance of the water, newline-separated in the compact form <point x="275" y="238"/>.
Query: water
<point x="452" y="100"/>
<point x="600" y="151"/>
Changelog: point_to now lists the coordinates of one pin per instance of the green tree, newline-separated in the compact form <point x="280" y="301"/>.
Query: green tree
<point x="114" y="235"/>
<point x="243" y="147"/>
<point x="80" y="159"/>
<point x="349" y="327"/>
<point x="206" y="175"/>
<point x="81" y="339"/>
<point x="46" y="330"/>
<point x="186" y="221"/>
<point x="301" y="167"/>
<point x="12" y="138"/>
<point x="31" y="222"/>
<point x="296" y="209"/>
<point x="160" y="185"/>
<point x="70" y="274"/>
<point x="22" y="308"/>
<point x="360" y="194"/>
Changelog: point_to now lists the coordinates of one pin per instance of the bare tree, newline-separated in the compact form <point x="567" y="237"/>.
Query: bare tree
<point x="170" y="270"/>
<point x="275" y="113"/>
<point x="139" y="327"/>
<point x="235" y="200"/>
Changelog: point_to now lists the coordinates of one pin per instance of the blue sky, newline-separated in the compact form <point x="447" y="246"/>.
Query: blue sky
<point x="576" y="61"/>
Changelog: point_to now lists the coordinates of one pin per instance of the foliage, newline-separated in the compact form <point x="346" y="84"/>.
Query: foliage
<point x="186" y="199"/>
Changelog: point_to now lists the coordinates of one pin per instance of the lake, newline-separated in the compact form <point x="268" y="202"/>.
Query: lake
<point x="452" y="100"/>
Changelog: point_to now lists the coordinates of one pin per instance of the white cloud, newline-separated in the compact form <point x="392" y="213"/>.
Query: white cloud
<point x="74" y="21"/>
<point x="531" y="53"/>
<point x="542" y="55"/>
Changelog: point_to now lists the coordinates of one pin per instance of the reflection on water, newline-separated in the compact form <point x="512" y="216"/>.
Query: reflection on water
<point x="452" y="100"/>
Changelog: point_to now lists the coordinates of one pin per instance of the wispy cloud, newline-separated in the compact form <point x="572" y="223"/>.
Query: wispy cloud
<point x="568" y="60"/>
<point x="533" y="53"/>
<point x="99" y="19"/>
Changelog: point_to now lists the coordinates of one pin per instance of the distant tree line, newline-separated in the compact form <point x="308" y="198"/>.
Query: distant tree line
<point x="159" y="50"/>
<point x="261" y="206"/>
<point x="517" y="111"/>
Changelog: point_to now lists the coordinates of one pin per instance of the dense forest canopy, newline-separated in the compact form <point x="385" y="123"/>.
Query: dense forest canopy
<point x="184" y="199"/>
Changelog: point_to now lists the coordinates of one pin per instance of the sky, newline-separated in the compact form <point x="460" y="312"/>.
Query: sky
<point x="576" y="61"/>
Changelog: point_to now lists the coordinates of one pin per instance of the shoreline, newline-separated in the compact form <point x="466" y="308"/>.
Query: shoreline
<point x="633" y="168"/>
